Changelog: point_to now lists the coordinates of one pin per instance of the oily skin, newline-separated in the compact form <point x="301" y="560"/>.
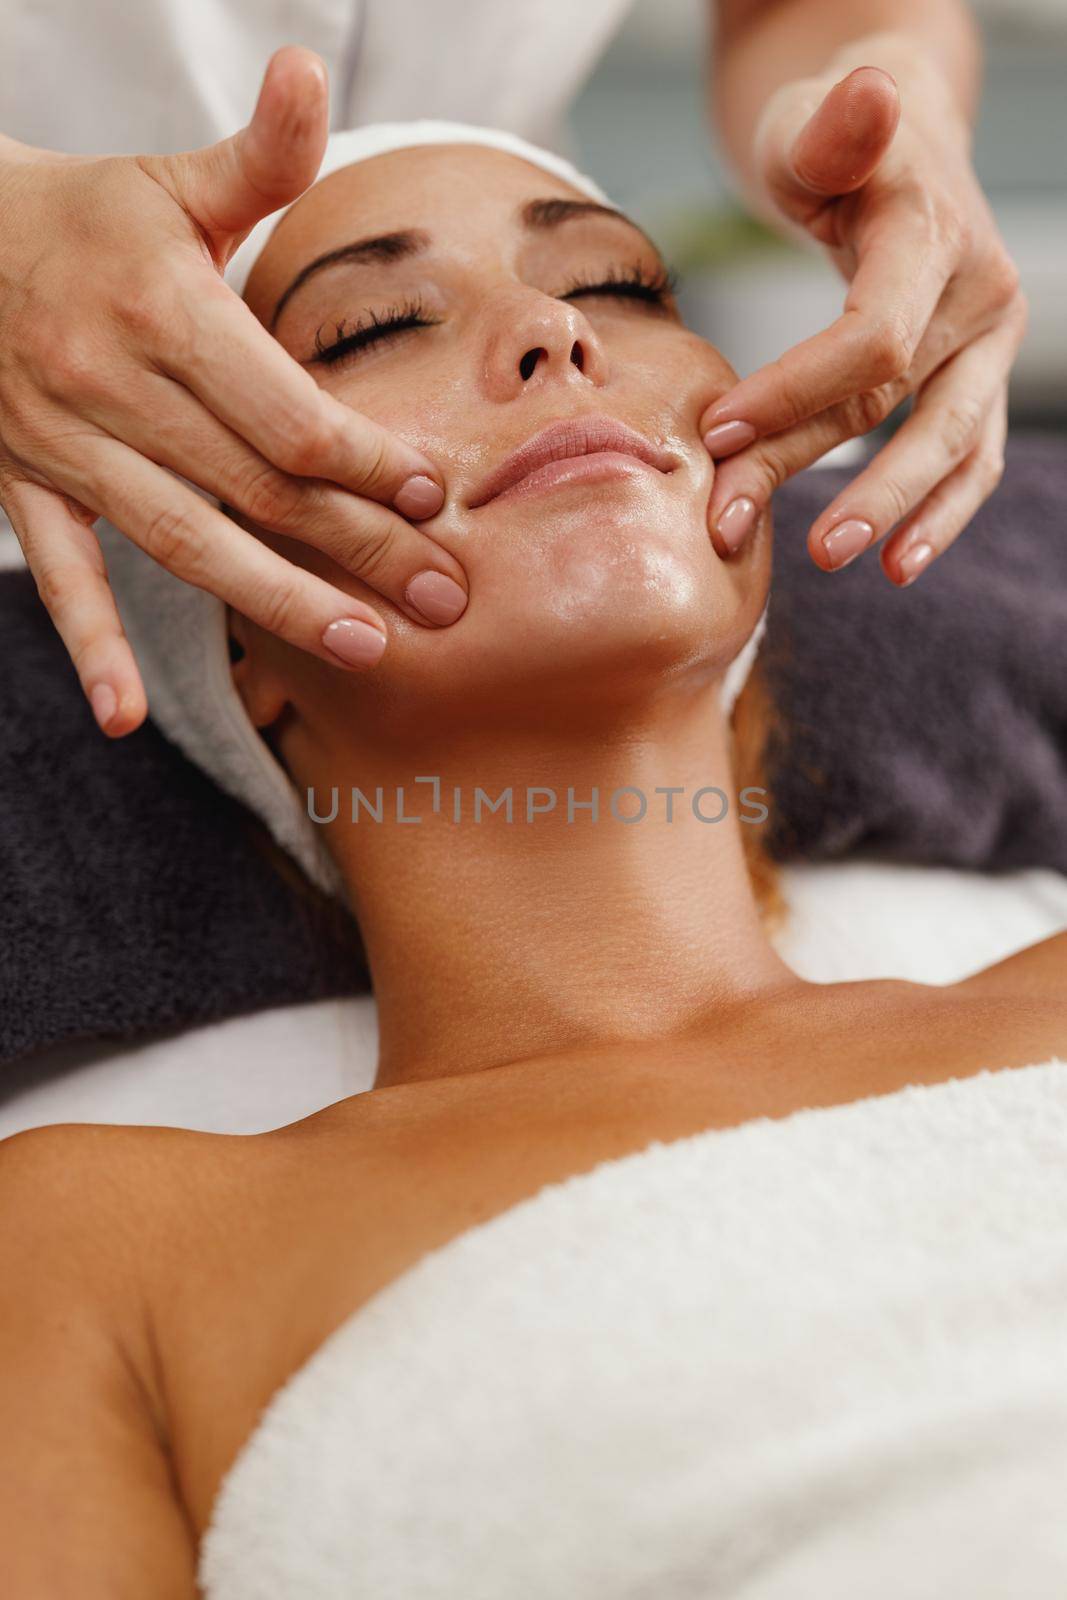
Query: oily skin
<point x="493" y="944"/>
<point x="557" y="583"/>
<point x="600" y="622"/>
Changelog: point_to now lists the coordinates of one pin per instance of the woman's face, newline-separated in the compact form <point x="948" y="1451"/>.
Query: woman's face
<point x="496" y="303"/>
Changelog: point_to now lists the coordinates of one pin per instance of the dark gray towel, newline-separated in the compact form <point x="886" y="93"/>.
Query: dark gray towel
<point x="929" y="725"/>
<point x="135" y="897"/>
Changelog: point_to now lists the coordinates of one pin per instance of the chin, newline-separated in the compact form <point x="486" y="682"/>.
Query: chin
<point x="579" y="613"/>
<point x="604" y="598"/>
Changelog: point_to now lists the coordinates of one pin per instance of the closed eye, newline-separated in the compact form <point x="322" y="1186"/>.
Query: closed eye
<point x="624" y="283"/>
<point x="628" y="283"/>
<point x="377" y="326"/>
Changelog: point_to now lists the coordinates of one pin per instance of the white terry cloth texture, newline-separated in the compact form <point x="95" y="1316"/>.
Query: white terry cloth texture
<point x="178" y="632"/>
<point x="816" y="1356"/>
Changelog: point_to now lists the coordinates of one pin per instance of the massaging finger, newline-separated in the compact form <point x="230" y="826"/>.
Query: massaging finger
<point x="64" y="556"/>
<point x="398" y="561"/>
<point x="247" y="380"/>
<point x="745" y="482"/>
<point x="743" y="485"/>
<point x="899" y="281"/>
<point x="197" y="542"/>
<point x="946" y="424"/>
<point x="946" y="512"/>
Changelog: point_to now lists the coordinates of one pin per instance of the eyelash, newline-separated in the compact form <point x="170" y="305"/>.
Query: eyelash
<point x="628" y="283"/>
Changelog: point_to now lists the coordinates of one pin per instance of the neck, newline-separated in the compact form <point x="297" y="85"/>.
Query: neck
<point x="493" y="940"/>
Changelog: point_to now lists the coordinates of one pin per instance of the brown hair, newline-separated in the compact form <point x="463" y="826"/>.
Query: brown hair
<point x="752" y="724"/>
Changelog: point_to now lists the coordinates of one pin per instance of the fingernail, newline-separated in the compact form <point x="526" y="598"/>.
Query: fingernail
<point x="736" y="522"/>
<point x="419" y="498"/>
<point x="436" y="596"/>
<point x="845" y="542"/>
<point x="915" y="560"/>
<point x="357" y="644"/>
<point x="728" y="437"/>
<point x="105" y="702"/>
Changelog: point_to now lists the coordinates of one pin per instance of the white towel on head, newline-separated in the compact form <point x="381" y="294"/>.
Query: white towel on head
<point x="178" y="633"/>
<point x="344" y="149"/>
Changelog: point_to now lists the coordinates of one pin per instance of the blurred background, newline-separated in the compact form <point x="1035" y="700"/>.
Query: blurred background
<point x="641" y="128"/>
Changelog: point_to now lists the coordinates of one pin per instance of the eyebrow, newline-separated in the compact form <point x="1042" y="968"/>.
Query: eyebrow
<point x="534" y="215"/>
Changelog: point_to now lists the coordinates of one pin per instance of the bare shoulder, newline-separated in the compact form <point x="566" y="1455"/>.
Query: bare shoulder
<point x="87" y="1504"/>
<point x="1038" y="972"/>
<point x="65" y="1196"/>
<point x="90" y="1198"/>
<point x="111" y="1219"/>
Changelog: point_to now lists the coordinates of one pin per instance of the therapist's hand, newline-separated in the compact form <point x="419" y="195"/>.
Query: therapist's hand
<point x="933" y="311"/>
<point x="125" y="359"/>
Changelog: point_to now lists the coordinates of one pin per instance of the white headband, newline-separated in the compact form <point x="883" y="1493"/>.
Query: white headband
<point x="178" y="633"/>
<point x="344" y="149"/>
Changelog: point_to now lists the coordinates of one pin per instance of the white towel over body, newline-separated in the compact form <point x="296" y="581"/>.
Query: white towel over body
<point x="807" y="1359"/>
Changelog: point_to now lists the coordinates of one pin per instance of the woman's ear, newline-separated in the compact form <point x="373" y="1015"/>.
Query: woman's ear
<point x="254" y="676"/>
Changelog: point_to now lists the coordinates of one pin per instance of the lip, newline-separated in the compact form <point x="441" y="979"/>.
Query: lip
<point x="555" y="455"/>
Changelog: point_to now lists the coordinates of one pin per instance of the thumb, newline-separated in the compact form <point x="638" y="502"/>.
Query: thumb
<point x="227" y="187"/>
<point x="838" y="146"/>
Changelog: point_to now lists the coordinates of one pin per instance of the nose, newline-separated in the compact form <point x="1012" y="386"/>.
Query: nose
<point x="536" y="342"/>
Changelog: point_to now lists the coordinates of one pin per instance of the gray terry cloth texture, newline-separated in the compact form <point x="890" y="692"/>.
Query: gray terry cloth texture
<point x="928" y="726"/>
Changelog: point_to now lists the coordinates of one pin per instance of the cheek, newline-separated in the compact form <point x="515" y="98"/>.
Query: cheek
<point x="426" y="402"/>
